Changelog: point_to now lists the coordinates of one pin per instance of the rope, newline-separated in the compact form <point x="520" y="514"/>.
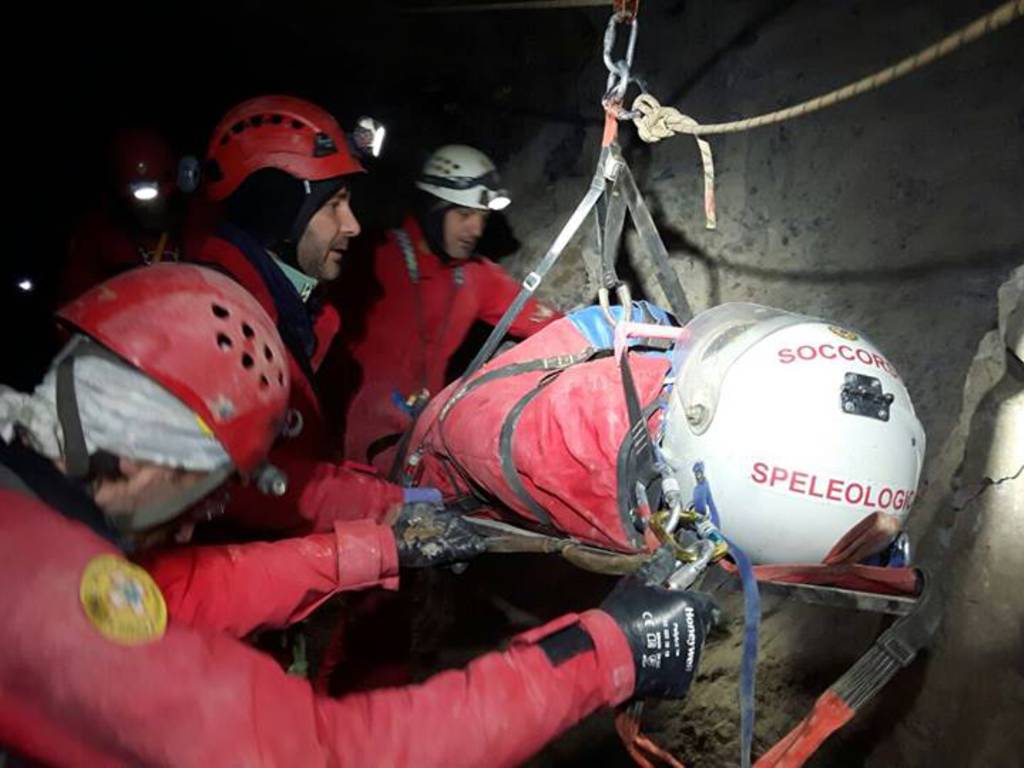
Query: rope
<point x="657" y="122"/>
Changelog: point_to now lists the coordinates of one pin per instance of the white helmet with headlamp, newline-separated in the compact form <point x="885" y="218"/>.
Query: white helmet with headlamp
<point x="464" y="176"/>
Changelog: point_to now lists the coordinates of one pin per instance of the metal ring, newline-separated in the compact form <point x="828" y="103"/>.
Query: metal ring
<point x="293" y="423"/>
<point x="621" y="67"/>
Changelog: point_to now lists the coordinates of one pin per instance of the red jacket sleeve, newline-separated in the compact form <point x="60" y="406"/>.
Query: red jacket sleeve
<point x="497" y="290"/>
<point x="336" y="492"/>
<point x="320" y="494"/>
<point x="196" y="697"/>
<point x="240" y="588"/>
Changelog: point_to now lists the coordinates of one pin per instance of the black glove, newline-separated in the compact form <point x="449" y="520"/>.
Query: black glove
<point x="665" y="630"/>
<point x="427" y="535"/>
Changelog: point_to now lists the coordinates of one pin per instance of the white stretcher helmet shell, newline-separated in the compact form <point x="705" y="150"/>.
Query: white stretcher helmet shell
<point x="803" y="427"/>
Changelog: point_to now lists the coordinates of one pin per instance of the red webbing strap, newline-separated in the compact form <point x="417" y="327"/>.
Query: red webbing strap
<point x="611" y="128"/>
<point x="830" y="713"/>
<point x="639" y="746"/>
<point x="863" y="578"/>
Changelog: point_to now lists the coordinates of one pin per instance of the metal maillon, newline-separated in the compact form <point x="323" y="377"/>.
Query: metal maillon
<point x="619" y="76"/>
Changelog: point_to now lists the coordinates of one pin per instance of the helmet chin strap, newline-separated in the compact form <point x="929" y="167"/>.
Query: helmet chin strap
<point x="77" y="461"/>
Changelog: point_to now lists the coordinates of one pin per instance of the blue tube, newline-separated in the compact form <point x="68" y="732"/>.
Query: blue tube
<point x="748" y="664"/>
<point x="704" y="503"/>
<point x="703" y="500"/>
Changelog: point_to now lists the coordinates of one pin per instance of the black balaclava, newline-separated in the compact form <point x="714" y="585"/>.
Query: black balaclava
<point x="274" y="207"/>
<point x="430" y="213"/>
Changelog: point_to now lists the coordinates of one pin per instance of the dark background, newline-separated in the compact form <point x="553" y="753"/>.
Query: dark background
<point x="77" y="74"/>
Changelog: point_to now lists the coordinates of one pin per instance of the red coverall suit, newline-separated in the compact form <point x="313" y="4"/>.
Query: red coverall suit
<point x="424" y="313"/>
<point x="320" y="491"/>
<point x="195" y="696"/>
<point x="113" y="238"/>
<point x="546" y="442"/>
<point x="101" y="247"/>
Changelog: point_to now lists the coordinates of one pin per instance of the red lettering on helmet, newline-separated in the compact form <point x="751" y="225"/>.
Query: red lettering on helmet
<point x="849" y="492"/>
<point x="808" y="352"/>
<point x="835" y="489"/>
<point x="814" y="484"/>
<point x="834" y="492"/>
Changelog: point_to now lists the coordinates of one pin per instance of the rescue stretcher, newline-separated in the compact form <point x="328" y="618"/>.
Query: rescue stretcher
<point x="679" y="543"/>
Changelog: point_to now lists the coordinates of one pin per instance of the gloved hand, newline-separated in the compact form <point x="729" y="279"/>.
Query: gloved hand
<point x="426" y="536"/>
<point x="665" y="630"/>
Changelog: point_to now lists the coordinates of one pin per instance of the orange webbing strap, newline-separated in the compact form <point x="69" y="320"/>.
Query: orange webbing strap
<point x="893" y="650"/>
<point x="830" y="713"/>
<point x="639" y="746"/>
<point x="611" y="126"/>
<point x="863" y="578"/>
<point x="837" y="705"/>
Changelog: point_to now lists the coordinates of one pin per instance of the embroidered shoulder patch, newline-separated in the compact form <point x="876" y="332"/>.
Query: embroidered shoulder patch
<point x="122" y="601"/>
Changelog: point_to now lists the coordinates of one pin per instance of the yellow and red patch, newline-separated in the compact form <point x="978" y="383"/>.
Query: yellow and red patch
<point x="122" y="601"/>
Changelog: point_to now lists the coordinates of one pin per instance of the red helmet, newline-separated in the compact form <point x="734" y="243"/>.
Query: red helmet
<point x="143" y="157"/>
<point x="202" y="337"/>
<point x="276" y="132"/>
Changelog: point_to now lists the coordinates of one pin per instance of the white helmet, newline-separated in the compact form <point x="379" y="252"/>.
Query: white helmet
<point x="464" y="176"/>
<point x="803" y="429"/>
